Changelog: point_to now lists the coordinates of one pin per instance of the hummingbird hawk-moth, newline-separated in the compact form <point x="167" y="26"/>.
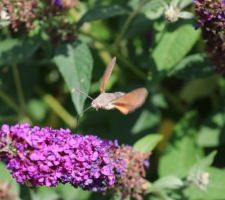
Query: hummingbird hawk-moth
<point x="124" y="102"/>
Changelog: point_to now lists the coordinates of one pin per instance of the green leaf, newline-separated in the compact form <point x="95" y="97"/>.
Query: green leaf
<point x="211" y="133"/>
<point x="146" y="120"/>
<point x="37" y="109"/>
<point x="139" y="25"/>
<point x="185" y="3"/>
<point x="102" y="12"/>
<point x="181" y="155"/>
<point x="75" y="63"/>
<point x="209" y="137"/>
<point x="6" y="177"/>
<point x="13" y="51"/>
<point x="215" y="188"/>
<point x="198" y="88"/>
<point x="25" y="192"/>
<point x="68" y="192"/>
<point x="168" y="182"/>
<point x="182" y="151"/>
<point x="143" y="21"/>
<point x="45" y="193"/>
<point x="147" y="143"/>
<point x="153" y="9"/>
<point x="202" y="165"/>
<point x="174" y="45"/>
<point x="192" y="67"/>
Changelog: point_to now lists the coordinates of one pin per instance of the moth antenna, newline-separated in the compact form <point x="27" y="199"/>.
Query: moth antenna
<point x="87" y="109"/>
<point x="78" y="122"/>
<point x="79" y="118"/>
<point x="81" y="92"/>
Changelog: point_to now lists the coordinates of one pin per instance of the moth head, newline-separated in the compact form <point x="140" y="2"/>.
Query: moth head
<point x="95" y="104"/>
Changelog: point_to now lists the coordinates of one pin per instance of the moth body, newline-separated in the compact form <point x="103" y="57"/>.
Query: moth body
<point x="105" y="100"/>
<point x="123" y="102"/>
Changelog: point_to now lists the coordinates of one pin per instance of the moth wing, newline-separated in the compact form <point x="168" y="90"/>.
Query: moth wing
<point x="107" y="75"/>
<point x="130" y="101"/>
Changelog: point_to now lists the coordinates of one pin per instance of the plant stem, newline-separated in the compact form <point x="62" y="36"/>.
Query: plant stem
<point x="25" y="192"/>
<point x="132" y="67"/>
<point x="8" y="101"/>
<point x="174" y="100"/>
<point x="54" y="104"/>
<point x="102" y="46"/>
<point x="128" y="21"/>
<point x="19" y="89"/>
<point x="114" y="50"/>
<point x="9" y="118"/>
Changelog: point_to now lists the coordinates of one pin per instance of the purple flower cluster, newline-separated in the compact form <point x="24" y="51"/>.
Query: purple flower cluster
<point x="210" y="12"/>
<point x="65" y="4"/>
<point x="44" y="156"/>
<point x="211" y="19"/>
<point x="57" y="3"/>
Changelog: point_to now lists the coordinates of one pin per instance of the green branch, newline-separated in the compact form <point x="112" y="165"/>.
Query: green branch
<point x="19" y="89"/>
<point x="128" y="21"/>
<point x="8" y="101"/>
<point x="55" y="105"/>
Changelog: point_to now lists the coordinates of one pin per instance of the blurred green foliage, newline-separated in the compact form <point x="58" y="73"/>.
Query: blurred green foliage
<point x="184" y="111"/>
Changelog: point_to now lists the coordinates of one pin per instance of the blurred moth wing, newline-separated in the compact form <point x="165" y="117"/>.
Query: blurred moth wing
<point x="107" y="75"/>
<point x="131" y="101"/>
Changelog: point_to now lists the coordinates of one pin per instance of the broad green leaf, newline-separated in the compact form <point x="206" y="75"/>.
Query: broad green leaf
<point x="146" y="120"/>
<point x="68" y="192"/>
<point x="168" y="182"/>
<point x="209" y="137"/>
<point x="159" y="100"/>
<point x="148" y="143"/>
<point x="202" y="165"/>
<point x="174" y="45"/>
<point x="211" y="133"/>
<point x="192" y="67"/>
<point x="143" y="21"/>
<point x="37" y="109"/>
<point x="13" y="51"/>
<point x="182" y="151"/>
<point x="25" y="192"/>
<point x="221" y="84"/>
<point x="6" y="177"/>
<point x="185" y="3"/>
<point x="100" y="31"/>
<point x="179" y="157"/>
<point x="198" y="88"/>
<point x="186" y="15"/>
<point x="139" y="25"/>
<point x="215" y="189"/>
<point x="153" y="9"/>
<point x="102" y="12"/>
<point x="75" y="63"/>
<point x="158" y="194"/>
<point x="45" y="193"/>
